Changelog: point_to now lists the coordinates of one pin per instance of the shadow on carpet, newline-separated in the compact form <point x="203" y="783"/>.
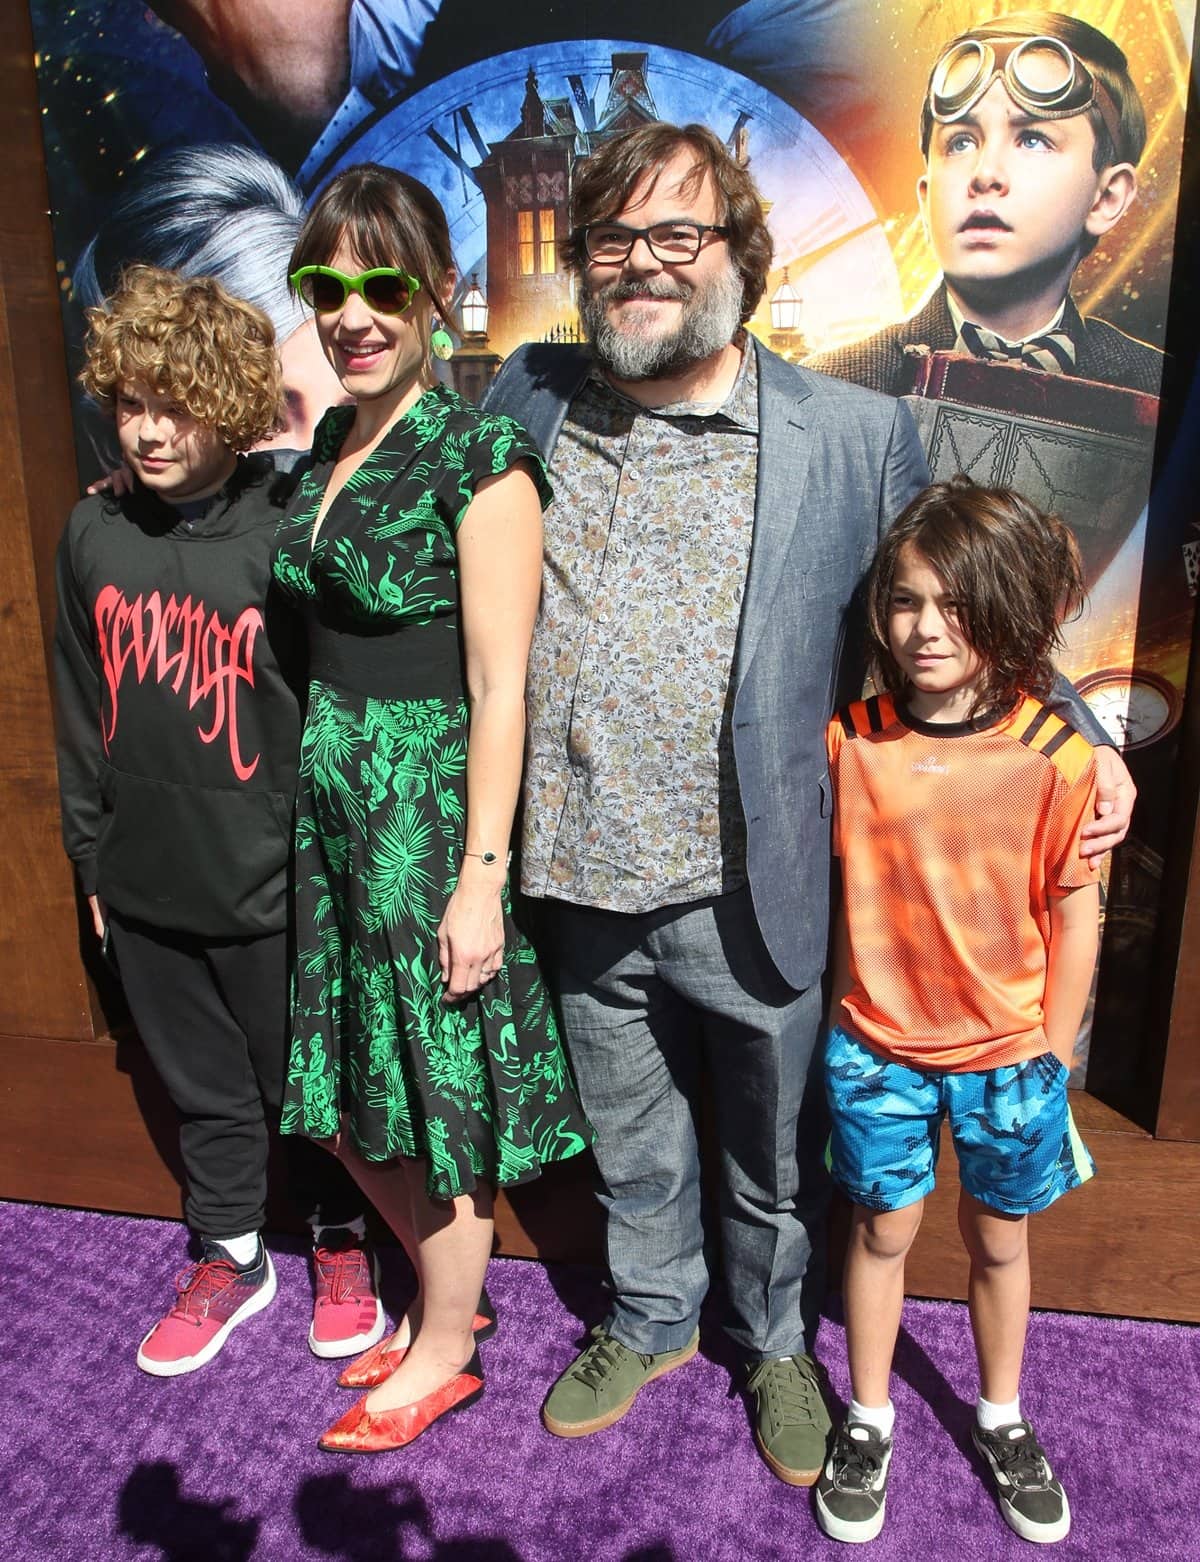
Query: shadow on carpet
<point x="104" y="1462"/>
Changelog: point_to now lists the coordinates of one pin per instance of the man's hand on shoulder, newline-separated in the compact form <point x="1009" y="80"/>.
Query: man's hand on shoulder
<point x="1115" y="797"/>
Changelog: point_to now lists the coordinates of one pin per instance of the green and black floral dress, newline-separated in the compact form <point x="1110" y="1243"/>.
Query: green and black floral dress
<point x="481" y="1089"/>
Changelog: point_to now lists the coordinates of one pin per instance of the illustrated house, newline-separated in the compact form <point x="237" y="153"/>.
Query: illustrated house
<point x="526" y="183"/>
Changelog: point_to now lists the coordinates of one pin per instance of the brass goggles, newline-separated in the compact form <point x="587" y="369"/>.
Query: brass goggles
<point x="384" y="290"/>
<point x="1041" y="75"/>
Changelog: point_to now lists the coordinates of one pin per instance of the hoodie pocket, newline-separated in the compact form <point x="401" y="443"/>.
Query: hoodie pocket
<point x="209" y="860"/>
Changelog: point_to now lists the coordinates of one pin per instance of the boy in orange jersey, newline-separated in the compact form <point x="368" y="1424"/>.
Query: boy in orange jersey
<point x="964" y="960"/>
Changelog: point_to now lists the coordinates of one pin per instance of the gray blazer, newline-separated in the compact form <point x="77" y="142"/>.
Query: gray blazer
<point x="836" y="465"/>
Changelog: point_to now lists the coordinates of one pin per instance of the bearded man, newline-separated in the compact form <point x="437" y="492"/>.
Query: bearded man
<point x="714" y="510"/>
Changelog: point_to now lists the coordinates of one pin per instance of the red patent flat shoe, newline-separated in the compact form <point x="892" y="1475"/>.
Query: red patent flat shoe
<point x="376" y="1365"/>
<point x="361" y="1431"/>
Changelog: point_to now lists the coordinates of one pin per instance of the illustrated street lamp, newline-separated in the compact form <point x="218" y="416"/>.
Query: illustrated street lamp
<point x="474" y="363"/>
<point x="786" y="307"/>
<point x="474" y="310"/>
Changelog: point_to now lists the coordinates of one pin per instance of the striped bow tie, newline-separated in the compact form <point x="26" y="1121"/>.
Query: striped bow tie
<point x="1052" y="353"/>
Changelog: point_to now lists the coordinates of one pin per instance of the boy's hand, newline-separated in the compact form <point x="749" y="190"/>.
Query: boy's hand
<point x="1115" y="797"/>
<point x="118" y="482"/>
<point x="97" y="911"/>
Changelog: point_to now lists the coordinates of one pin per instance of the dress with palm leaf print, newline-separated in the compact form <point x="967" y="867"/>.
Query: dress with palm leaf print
<point x="482" y="1089"/>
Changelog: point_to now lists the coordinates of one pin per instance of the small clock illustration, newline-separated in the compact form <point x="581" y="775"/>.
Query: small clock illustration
<point x="1135" y="707"/>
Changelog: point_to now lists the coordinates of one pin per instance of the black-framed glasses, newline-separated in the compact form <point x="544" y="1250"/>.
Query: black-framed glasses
<point x="383" y="289"/>
<point x="673" y="243"/>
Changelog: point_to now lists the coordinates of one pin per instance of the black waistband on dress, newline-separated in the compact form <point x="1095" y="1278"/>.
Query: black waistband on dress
<point x="418" y="663"/>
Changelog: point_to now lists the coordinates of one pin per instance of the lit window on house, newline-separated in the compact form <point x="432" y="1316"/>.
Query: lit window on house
<point x="537" y="252"/>
<point x="525" y="247"/>
<point x="549" y="255"/>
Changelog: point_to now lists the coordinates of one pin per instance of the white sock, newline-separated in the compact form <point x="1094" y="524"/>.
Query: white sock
<point x="992" y="1417"/>
<point x="881" y="1417"/>
<point x="243" y="1250"/>
<point x="358" y="1225"/>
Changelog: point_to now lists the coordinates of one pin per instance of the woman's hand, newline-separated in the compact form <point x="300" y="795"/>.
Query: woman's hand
<point x="97" y="911"/>
<point x="117" y="482"/>
<point x="471" y="934"/>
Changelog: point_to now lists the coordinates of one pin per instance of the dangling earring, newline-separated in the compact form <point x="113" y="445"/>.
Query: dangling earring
<point x="440" y="343"/>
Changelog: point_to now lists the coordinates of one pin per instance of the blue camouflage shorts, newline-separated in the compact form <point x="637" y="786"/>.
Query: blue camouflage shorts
<point x="1017" y="1146"/>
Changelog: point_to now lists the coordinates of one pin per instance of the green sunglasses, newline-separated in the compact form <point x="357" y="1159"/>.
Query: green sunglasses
<point x="384" y="290"/>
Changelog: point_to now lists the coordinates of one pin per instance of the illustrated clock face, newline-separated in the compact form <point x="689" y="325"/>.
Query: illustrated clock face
<point x="824" y="225"/>
<point x="1134" y="708"/>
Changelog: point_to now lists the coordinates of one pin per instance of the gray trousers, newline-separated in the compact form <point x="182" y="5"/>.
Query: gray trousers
<point x="648" y="1001"/>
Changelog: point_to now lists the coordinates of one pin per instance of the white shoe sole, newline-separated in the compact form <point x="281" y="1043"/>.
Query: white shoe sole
<point x="334" y="1350"/>
<point x="1039" y="1534"/>
<point x="263" y="1297"/>
<point x="852" y="1534"/>
<point x="842" y="1529"/>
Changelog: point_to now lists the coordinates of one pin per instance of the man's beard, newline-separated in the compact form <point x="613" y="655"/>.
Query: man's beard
<point x="708" y="321"/>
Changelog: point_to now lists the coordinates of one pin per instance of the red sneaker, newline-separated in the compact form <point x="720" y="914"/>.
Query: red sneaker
<point x="214" y="1296"/>
<point x="348" y="1316"/>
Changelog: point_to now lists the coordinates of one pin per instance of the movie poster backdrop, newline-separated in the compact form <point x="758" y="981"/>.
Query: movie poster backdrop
<point x="195" y="136"/>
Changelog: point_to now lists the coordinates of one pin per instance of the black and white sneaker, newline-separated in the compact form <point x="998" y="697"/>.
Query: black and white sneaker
<point x="1031" y="1499"/>
<point x="852" y="1488"/>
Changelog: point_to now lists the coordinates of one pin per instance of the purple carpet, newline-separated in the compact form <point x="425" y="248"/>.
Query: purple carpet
<point x="105" y="1462"/>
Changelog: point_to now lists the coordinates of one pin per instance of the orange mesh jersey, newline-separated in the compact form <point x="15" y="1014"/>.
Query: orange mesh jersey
<point x="953" y="840"/>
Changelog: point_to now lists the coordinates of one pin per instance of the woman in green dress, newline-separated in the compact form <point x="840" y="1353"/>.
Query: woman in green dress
<point x="424" y="1044"/>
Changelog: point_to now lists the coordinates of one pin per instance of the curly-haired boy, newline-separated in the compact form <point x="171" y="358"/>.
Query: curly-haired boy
<point x="177" y="749"/>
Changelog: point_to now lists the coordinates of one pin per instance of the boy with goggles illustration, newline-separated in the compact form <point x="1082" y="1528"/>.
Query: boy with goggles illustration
<point x="1031" y="130"/>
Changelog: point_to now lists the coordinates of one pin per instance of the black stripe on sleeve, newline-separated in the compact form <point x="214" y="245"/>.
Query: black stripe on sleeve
<point x="1035" y="726"/>
<point x="1057" y="741"/>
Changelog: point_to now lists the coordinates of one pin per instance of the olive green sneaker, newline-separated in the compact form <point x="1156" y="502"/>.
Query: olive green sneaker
<point x="602" y="1383"/>
<point x="791" y="1419"/>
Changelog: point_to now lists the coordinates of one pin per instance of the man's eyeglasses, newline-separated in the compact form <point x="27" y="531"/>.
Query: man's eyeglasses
<point x="673" y="243"/>
<point x="384" y="290"/>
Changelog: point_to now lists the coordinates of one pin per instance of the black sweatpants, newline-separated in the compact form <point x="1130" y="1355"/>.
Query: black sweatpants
<point x="213" y="1016"/>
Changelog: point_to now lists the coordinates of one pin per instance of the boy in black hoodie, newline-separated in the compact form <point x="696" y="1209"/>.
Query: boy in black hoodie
<point x="178" y="738"/>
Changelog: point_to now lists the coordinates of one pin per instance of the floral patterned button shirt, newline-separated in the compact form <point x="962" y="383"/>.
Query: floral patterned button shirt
<point x="631" y="799"/>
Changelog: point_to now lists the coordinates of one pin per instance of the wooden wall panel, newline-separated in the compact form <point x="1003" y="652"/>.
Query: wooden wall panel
<point x="43" y="991"/>
<point x="1127" y="1243"/>
<point x="89" y="1126"/>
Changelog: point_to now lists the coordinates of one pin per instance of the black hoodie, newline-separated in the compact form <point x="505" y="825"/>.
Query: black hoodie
<point x="177" y="665"/>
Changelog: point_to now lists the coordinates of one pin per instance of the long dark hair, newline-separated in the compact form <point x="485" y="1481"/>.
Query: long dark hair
<point x="1014" y="572"/>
